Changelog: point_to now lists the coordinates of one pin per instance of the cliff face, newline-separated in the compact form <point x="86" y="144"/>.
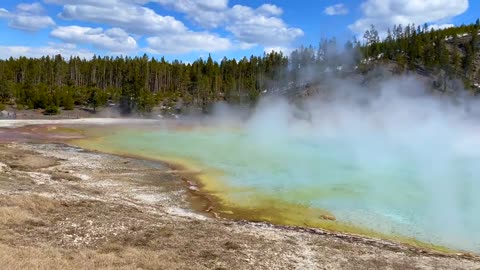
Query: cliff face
<point x="460" y="45"/>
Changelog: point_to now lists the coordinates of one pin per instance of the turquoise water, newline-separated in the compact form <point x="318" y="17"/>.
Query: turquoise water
<point x="426" y="188"/>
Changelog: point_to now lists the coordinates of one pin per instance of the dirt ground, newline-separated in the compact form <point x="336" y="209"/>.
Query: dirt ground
<point x="65" y="208"/>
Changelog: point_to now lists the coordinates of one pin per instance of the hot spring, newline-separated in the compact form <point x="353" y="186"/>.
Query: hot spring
<point x="402" y="168"/>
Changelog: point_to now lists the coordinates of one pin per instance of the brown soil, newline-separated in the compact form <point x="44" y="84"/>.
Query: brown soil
<point x="64" y="208"/>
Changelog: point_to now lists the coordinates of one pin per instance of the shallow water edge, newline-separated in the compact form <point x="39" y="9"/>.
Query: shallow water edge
<point x="211" y="196"/>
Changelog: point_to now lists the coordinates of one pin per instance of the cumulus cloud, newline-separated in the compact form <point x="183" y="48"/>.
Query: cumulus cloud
<point x="27" y="17"/>
<point x="66" y="50"/>
<point x="103" y="3"/>
<point x="385" y="13"/>
<point x="338" y="9"/>
<point x="188" y="42"/>
<point x="5" y="14"/>
<point x="253" y="26"/>
<point x="34" y="8"/>
<point x="114" y="40"/>
<point x="165" y="34"/>
<point x="187" y="5"/>
<point x="248" y="26"/>
<point x="30" y="22"/>
<point x="205" y="13"/>
<point x="270" y="10"/>
<point x="134" y="19"/>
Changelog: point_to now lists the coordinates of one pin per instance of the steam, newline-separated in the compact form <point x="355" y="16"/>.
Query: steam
<point x="416" y="151"/>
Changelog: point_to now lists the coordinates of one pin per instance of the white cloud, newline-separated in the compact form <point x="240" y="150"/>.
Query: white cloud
<point x="440" y="26"/>
<point x="4" y="13"/>
<point x="284" y="50"/>
<point x="338" y="9"/>
<point x="66" y="50"/>
<point x="30" y="22"/>
<point x="211" y="4"/>
<point x="260" y="26"/>
<point x="27" y="17"/>
<point x="98" y="3"/>
<point x="133" y="18"/>
<point x="166" y="35"/>
<point x="188" y="5"/>
<point x="188" y="42"/>
<point x="270" y="10"/>
<point x="208" y="14"/>
<point x="34" y="8"/>
<point x="115" y="39"/>
<point x="249" y="26"/>
<point x="385" y="13"/>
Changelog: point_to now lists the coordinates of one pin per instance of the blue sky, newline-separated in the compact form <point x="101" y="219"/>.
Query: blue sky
<point x="188" y="29"/>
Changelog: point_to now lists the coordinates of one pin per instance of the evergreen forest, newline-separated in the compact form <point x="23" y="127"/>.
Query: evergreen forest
<point x="139" y="84"/>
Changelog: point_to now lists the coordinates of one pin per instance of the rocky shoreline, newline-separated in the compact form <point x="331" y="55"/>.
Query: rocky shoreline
<point x="65" y="208"/>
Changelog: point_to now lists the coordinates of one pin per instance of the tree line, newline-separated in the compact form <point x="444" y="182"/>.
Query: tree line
<point x="453" y="50"/>
<point x="135" y="83"/>
<point x="138" y="84"/>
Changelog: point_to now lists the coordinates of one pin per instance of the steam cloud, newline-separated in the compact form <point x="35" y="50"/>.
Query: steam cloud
<point x="412" y="145"/>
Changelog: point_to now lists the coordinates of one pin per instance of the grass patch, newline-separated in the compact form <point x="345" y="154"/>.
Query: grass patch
<point x="33" y="204"/>
<point x="125" y="258"/>
<point x="15" y="216"/>
<point x="24" y="210"/>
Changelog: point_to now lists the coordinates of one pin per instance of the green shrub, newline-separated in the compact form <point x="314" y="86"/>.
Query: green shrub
<point x="68" y="103"/>
<point x="51" y="110"/>
<point x="2" y="107"/>
<point x="20" y="107"/>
